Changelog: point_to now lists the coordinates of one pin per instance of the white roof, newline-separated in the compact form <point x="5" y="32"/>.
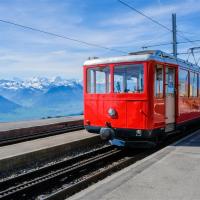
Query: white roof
<point x="143" y="56"/>
<point x="127" y="58"/>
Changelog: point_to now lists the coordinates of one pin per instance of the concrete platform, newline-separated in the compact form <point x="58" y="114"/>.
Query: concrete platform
<point x="172" y="174"/>
<point x="22" y="154"/>
<point x="24" y="128"/>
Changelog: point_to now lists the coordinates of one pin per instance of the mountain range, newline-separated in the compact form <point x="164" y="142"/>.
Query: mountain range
<point x="40" y="97"/>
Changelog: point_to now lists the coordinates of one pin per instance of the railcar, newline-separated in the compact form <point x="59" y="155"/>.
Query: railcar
<point x="138" y="99"/>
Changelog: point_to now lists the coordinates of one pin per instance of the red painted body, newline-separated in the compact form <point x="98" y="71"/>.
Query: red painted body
<point x="132" y="109"/>
<point x="138" y="111"/>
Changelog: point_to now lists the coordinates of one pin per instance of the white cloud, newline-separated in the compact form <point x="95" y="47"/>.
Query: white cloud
<point x="131" y="18"/>
<point x="26" y="52"/>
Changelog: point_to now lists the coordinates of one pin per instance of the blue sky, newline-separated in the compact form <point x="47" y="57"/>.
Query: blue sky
<point x="24" y="53"/>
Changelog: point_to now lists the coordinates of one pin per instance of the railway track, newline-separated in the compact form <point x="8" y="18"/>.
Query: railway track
<point x="41" y="134"/>
<point x="64" y="178"/>
<point x="70" y="175"/>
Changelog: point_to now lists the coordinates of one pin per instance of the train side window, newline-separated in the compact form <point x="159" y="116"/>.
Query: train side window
<point x="91" y="81"/>
<point x="193" y="84"/>
<point x="199" y="83"/>
<point x="170" y="80"/>
<point x="98" y="80"/>
<point x="158" y="84"/>
<point x="183" y="83"/>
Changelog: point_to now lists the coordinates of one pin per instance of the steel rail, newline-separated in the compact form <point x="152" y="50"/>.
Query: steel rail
<point x="36" y="179"/>
<point x="64" y="180"/>
<point x="65" y="192"/>
<point x="45" y="169"/>
<point x="38" y="135"/>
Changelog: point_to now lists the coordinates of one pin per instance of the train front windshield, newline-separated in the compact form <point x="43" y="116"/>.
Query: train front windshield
<point x="129" y="79"/>
<point x="126" y="79"/>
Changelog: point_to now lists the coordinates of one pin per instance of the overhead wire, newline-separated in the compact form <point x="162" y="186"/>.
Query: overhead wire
<point x="144" y="15"/>
<point x="186" y="32"/>
<point x="61" y="36"/>
<point x="157" y="45"/>
<point x="182" y="53"/>
<point x="151" y="19"/>
<point x="169" y="43"/>
<point x="149" y="44"/>
<point x="181" y="34"/>
<point x="97" y="45"/>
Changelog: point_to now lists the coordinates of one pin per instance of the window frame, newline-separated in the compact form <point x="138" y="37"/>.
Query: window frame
<point x="95" y="80"/>
<point x="191" y="94"/>
<point x="129" y="64"/>
<point x="163" y="80"/>
<point x="145" y="64"/>
<point x="198" y="90"/>
<point x="188" y="81"/>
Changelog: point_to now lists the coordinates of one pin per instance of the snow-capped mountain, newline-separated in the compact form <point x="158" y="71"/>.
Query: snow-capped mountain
<point x="40" y="83"/>
<point x="41" y="97"/>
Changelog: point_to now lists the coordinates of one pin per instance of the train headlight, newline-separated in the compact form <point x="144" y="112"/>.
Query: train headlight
<point x="112" y="112"/>
<point x="138" y="132"/>
<point x="88" y="122"/>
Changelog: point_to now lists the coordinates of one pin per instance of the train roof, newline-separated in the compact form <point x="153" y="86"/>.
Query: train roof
<point x="156" y="55"/>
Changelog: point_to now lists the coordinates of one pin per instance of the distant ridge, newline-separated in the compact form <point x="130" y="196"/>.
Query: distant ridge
<point x="7" y="105"/>
<point x="40" y="97"/>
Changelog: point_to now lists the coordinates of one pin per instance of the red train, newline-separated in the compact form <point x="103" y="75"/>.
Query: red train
<point x="138" y="99"/>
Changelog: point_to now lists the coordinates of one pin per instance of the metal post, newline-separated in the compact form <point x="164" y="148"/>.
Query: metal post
<point x="174" y="35"/>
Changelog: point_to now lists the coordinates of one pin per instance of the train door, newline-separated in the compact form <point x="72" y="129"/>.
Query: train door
<point x="169" y="99"/>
